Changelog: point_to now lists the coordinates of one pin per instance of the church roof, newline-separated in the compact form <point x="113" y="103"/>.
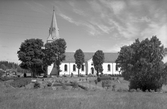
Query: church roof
<point x="109" y="57"/>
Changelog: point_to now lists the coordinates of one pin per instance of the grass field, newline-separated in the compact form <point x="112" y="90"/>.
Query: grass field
<point x="16" y="98"/>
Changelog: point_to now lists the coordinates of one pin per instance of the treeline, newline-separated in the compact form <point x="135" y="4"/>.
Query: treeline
<point x="5" y="65"/>
<point x="8" y="65"/>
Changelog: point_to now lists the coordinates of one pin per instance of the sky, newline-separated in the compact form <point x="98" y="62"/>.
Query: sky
<point x="90" y="25"/>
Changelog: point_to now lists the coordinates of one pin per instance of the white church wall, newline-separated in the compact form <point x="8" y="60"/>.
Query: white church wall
<point x="63" y="70"/>
<point x="76" y="69"/>
<point x="75" y="72"/>
<point x="49" y="69"/>
<point x="107" y="70"/>
<point x="90" y="66"/>
<point x="83" y="72"/>
<point x="115" y="70"/>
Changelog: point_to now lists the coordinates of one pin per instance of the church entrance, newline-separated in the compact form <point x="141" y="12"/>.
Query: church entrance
<point x="92" y="70"/>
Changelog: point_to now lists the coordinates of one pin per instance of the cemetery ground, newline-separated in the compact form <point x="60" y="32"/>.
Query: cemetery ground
<point x="58" y="93"/>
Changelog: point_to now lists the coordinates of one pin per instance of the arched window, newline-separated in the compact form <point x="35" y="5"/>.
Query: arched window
<point x="65" y="67"/>
<point x="74" y="68"/>
<point x="109" y="67"/>
<point x="82" y="67"/>
<point x="116" y="67"/>
<point x="92" y="70"/>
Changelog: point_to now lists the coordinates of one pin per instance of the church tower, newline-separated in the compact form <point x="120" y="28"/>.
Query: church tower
<point x="53" y="35"/>
<point x="53" y="30"/>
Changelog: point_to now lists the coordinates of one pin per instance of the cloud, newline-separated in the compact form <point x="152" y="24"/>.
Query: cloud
<point x="129" y="31"/>
<point x="115" y="6"/>
<point x="127" y="19"/>
<point x="114" y="48"/>
<point x="92" y="30"/>
<point x="145" y="19"/>
<point x="79" y="12"/>
<point x="36" y="6"/>
<point x="95" y="6"/>
<point x="76" y="10"/>
<point x="103" y="28"/>
<point x="156" y="29"/>
<point x="162" y="34"/>
<point x="117" y="46"/>
<point x="68" y="19"/>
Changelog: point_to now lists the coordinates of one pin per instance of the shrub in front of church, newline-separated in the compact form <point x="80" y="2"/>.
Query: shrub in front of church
<point x="36" y="85"/>
<point x="141" y="64"/>
<point x="106" y="84"/>
<point x="100" y="78"/>
<point x="74" y="84"/>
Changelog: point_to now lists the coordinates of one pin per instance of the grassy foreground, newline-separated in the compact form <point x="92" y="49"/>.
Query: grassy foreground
<point x="11" y="98"/>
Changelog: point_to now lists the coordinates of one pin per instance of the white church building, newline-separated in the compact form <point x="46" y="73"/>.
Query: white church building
<point x="69" y="67"/>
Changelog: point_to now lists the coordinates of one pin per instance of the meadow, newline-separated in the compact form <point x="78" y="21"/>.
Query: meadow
<point x="47" y="98"/>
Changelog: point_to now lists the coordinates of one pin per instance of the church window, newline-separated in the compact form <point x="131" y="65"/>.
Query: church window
<point x="116" y="67"/>
<point x="82" y="67"/>
<point x="74" y="67"/>
<point x="109" y="67"/>
<point x="65" y="67"/>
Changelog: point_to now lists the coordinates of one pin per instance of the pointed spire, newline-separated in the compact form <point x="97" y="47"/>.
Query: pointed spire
<point x="53" y="30"/>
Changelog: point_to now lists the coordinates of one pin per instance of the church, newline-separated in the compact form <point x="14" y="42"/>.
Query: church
<point x="69" y="67"/>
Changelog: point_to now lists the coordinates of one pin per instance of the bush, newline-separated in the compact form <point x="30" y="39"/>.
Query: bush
<point x="106" y="83"/>
<point x="74" y="84"/>
<point x="1" y="73"/>
<point x="81" y="75"/>
<point x="96" y="82"/>
<point x="154" y="85"/>
<point x="103" y="78"/>
<point x="90" y="75"/>
<point x="141" y="64"/>
<point x="49" y="84"/>
<point x="36" y="85"/>
<point x="113" y="87"/>
<point x="20" y="82"/>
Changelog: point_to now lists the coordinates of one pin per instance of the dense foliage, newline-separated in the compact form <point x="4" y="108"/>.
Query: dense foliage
<point x="79" y="59"/>
<point x="31" y="55"/>
<point x="98" y="59"/>
<point x="141" y="64"/>
<point x="55" y="53"/>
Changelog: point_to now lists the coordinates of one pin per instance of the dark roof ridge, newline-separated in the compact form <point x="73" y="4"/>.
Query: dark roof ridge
<point x="109" y="56"/>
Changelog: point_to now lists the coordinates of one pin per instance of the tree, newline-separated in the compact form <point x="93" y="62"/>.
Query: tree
<point x="55" y="53"/>
<point x="2" y="66"/>
<point x="141" y="64"/>
<point x="31" y="55"/>
<point x="79" y="59"/>
<point x="98" y="59"/>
